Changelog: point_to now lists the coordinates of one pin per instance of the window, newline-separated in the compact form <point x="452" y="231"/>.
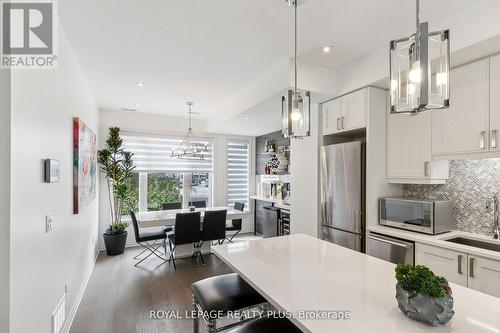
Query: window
<point x="160" y="178"/>
<point x="132" y="204"/>
<point x="238" y="160"/>
<point x="200" y="189"/>
<point x="162" y="188"/>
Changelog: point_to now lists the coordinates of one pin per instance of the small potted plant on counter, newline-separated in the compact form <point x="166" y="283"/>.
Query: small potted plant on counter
<point x="117" y="166"/>
<point x="422" y="295"/>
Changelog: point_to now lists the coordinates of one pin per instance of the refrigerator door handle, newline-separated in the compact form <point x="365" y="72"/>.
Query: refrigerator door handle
<point x="357" y="221"/>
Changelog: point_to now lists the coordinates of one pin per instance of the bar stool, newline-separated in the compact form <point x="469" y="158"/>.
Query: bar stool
<point x="221" y="294"/>
<point x="267" y="325"/>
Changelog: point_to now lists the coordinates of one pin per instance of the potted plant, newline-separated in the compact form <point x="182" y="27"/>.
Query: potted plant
<point x="117" y="166"/>
<point x="423" y="296"/>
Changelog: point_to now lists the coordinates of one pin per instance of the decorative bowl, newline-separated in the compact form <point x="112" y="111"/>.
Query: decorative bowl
<point x="425" y="308"/>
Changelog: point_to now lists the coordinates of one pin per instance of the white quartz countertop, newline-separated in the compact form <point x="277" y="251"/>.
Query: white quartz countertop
<point x="301" y="273"/>
<point x="440" y="240"/>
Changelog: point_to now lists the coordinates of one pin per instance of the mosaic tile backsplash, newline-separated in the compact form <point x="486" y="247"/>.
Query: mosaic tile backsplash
<point x="470" y="185"/>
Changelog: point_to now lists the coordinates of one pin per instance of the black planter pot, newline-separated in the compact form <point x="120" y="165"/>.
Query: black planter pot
<point x="115" y="243"/>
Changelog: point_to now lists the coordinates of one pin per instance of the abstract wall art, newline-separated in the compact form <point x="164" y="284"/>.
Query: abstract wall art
<point x="84" y="165"/>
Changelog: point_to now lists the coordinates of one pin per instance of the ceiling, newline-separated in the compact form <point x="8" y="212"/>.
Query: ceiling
<point x="214" y="52"/>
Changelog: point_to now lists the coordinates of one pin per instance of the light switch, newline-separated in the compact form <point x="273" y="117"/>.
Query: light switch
<point x="49" y="219"/>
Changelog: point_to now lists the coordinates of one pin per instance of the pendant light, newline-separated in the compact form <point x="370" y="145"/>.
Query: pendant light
<point x="295" y="106"/>
<point x="190" y="147"/>
<point x="420" y="70"/>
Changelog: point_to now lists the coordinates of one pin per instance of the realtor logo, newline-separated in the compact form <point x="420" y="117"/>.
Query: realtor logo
<point x="28" y="35"/>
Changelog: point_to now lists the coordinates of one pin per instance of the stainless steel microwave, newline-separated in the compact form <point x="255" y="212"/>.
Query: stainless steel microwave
<point x="423" y="215"/>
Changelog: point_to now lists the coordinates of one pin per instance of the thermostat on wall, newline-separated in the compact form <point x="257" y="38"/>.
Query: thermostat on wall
<point x="52" y="171"/>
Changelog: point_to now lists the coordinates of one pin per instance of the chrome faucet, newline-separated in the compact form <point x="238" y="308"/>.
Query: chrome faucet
<point x="494" y="205"/>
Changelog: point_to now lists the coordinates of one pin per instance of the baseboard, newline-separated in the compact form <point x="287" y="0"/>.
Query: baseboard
<point x="79" y="297"/>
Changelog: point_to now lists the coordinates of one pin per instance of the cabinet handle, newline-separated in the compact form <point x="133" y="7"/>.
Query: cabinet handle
<point x="460" y="264"/>
<point x="338" y="126"/>
<point x="426" y="169"/>
<point x="471" y="267"/>
<point x="493" y="138"/>
<point x="481" y="141"/>
<point x="342" y="122"/>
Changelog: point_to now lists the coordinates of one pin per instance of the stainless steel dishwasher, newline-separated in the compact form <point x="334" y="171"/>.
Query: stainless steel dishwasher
<point x="391" y="249"/>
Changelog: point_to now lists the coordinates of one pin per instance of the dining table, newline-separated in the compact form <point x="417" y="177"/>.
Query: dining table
<point x="323" y="288"/>
<point x="167" y="217"/>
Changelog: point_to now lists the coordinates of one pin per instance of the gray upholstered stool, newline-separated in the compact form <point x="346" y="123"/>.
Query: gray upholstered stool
<point x="221" y="294"/>
<point x="267" y="325"/>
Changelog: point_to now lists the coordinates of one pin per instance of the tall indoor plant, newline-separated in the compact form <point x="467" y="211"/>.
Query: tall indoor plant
<point x="117" y="166"/>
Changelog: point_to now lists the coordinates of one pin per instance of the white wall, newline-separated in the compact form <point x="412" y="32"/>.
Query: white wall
<point x="4" y="199"/>
<point x="304" y="155"/>
<point x="376" y="152"/>
<point x="44" y="103"/>
<point x="150" y="123"/>
<point x="313" y="78"/>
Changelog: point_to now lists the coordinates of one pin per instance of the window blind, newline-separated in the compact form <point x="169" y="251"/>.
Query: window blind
<point x="152" y="152"/>
<point x="237" y="172"/>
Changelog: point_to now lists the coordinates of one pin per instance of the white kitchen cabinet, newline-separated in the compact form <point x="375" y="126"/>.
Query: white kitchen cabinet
<point x="484" y="275"/>
<point x="409" y="151"/>
<point x="463" y="128"/>
<point x="345" y="113"/>
<point x="495" y="104"/>
<point x="466" y="269"/>
<point x="332" y="114"/>
<point x="449" y="264"/>
<point x="354" y="110"/>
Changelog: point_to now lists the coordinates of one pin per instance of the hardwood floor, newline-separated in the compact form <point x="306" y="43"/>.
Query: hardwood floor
<point x="119" y="296"/>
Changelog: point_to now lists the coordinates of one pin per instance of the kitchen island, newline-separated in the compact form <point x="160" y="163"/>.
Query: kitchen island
<point x="302" y="275"/>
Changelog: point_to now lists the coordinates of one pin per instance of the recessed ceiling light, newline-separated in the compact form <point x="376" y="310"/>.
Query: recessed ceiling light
<point x="245" y="117"/>
<point x="140" y="84"/>
<point x="327" y="49"/>
<point x="137" y="105"/>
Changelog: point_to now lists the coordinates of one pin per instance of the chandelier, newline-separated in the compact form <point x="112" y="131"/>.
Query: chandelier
<point x="420" y="70"/>
<point x="190" y="147"/>
<point x="295" y="106"/>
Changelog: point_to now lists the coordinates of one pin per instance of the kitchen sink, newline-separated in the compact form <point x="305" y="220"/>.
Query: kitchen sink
<point x="475" y="243"/>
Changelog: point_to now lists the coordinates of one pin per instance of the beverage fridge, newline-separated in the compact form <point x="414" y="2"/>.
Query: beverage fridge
<point x="342" y="194"/>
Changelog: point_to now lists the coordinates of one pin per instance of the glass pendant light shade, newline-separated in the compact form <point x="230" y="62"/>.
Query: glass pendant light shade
<point x="420" y="70"/>
<point x="296" y="105"/>
<point x="295" y="114"/>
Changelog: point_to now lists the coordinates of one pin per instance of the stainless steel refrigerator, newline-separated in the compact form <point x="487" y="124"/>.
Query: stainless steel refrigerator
<point x="342" y="194"/>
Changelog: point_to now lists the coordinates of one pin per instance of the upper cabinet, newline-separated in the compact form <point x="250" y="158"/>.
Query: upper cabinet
<point x="332" y="115"/>
<point x="495" y="104"/>
<point x="463" y="128"/>
<point x="409" y="154"/>
<point x="345" y="113"/>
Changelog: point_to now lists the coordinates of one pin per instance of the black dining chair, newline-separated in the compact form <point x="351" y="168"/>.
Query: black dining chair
<point x="186" y="231"/>
<point x="198" y="204"/>
<point x="171" y="205"/>
<point x="214" y="226"/>
<point x="235" y="225"/>
<point x="151" y="239"/>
